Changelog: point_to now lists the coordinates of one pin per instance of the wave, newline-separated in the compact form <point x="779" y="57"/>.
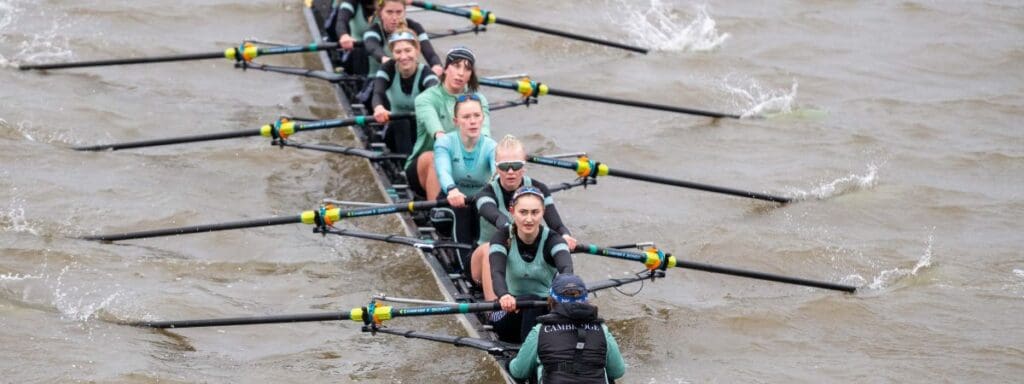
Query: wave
<point x="12" y="219"/>
<point x="757" y="100"/>
<point x="843" y="185"/>
<point x="659" y="28"/>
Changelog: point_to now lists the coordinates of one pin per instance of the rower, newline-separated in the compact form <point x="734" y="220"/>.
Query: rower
<point x="523" y="260"/>
<point x="434" y="118"/>
<point x="571" y="344"/>
<point x="398" y="82"/>
<point x="352" y="18"/>
<point x="492" y="206"/>
<point x="389" y="18"/>
<point x="464" y="162"/>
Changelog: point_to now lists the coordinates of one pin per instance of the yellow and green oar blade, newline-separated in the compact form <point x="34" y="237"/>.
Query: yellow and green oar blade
<point x="584" y="167"/>
<point x="241" y="53"/>
<point x="529" y="88"/>
<point x="655" y="259"/>
<point x="375" y="315"/>
<point x="483" y="17"/>
<point x="279" y="129"/>
<point x="323" y="216"/>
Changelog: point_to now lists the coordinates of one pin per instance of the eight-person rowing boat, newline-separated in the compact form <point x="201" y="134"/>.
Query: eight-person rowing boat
<point x="490" y="235"/>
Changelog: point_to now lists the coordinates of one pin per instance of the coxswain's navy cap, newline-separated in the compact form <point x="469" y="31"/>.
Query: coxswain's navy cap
<point x="568" y="288"/>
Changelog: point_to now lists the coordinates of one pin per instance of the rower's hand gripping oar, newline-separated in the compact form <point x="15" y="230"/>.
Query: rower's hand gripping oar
<point x="483" y="17"/>
<point x="280" y="129"/>
<point x="326" y="216"/>
<point x="370" y="315"/>
<point x="587" y="168"/>
<point x="244" y="52"/>
<point x="655" y="259"/>
<point x="529" y="88"/>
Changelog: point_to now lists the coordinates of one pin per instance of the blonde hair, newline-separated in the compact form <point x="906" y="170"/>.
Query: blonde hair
<point x="510" y="143"/>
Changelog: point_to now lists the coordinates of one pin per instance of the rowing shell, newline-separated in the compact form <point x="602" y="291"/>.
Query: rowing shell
<point x="390" y="180"/>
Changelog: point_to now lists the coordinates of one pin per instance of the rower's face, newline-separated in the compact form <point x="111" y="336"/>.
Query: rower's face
<point x="457" y="74"/>
<point x="510" y="179"/>
<point x="528" y="214"/>
<point x="405" y="55"/>
<point x="391" y="15"/>
<point x="469" y="119"/>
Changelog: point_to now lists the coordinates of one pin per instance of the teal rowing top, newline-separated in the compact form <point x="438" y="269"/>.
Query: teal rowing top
<point x="435" y="110"/>
<point x="533" y="277"/>
<point x="468" y="171"/>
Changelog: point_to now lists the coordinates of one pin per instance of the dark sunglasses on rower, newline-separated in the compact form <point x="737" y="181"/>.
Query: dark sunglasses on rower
<point x="469" y="96"/>
<point x="505" y="166"/>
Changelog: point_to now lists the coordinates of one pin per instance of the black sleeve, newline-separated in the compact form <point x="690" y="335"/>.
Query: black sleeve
<point x="489" y="209"/>
<point x="426" y="48"/>
<point x="381" y="85"/>
<point x="344" y="16"/>
<point x="561" y="259"/>
<point x="551" y="216"/>
<point x="374" y="47"/>
<point x="498" y="262"/>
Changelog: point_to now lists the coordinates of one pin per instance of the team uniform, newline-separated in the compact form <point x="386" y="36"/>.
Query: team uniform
<point x="398" y="94"/>
<point x="435" y="108"/>
<point x="374" y="40"/>
<point x="492" y="205"/>
<point x="351" y="18"/>
<point x="469" y="171"/>
<point x="525" y="271"/>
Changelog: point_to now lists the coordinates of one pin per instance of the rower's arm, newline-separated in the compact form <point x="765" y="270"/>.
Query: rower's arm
<point x="443" y="162"/>
<point x="372" y="42"/>
<point x="499" y="258"/>
<point x="558" y="251"/>
<point x="551" y="216"/>
<point x="487" y="207"/>
<point x="526" y="361"/>
<point x="381" y="82"/>
<point x="346" y="11"/>
<point x="486" y="127"/>
<point x="614" y="366"/>
<point x="426" y="48"/>
<point x="426" y="114"/>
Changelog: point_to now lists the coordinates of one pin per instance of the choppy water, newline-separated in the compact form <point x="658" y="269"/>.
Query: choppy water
<point x="894" y="123"/>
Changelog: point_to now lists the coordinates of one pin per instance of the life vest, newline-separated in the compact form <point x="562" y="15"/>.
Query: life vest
<point x="571" y="345"/>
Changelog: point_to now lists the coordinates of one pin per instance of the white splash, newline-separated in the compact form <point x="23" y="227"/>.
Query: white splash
<point x="852" y="182"/>
<point x="1019" y="273"/>
<point x="659" y="28"/>
<point x="885" y="278"/>
<point x="86" y="306"/>
<point x="13" y="218"/>
<point x="7" y="13"/>
<point x="17" y="277"/>
<point x="757" y="100"/>
<point x="49" y="46"/>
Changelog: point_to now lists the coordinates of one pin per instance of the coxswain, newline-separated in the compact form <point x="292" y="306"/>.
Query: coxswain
<point x="570" y="344"/>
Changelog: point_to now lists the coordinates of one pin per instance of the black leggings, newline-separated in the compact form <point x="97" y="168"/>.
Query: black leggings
<point x="514" y="327"/>
<point x="465" y="231"/>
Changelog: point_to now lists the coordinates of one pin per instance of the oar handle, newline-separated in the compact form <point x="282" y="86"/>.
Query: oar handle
<point x="264" y="222"/>
<point x="171" y="140"/>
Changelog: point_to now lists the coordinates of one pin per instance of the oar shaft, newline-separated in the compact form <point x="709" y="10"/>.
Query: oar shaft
<point x="486" y="17"/>
<point x="264" y="222"/>
<point x="171" y="140"/>
<point x="697" y="186"/>
<point x="570" y="35"/>
<point x="137" y="60"/>
<point x="765" y="276"/>
<point x="245" y="320"/>
<point x="640" y="104"/>
<point x="671" y="260"/>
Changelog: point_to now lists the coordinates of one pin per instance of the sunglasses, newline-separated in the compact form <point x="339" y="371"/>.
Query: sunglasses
<point x="506" y="166"/>
<point x="469" y="96"/>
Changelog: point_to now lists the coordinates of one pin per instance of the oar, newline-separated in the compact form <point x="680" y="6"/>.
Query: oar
<point x="320" y="217"/>
<point x="279" y="129"/>
<point x="483" y="17"/>
<point x="529" y="88"/>
<point x="585" y="167"/>
<point x="241" y="53"/>
<point x="655" y="259"/>
<point x="364" y="314"/>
